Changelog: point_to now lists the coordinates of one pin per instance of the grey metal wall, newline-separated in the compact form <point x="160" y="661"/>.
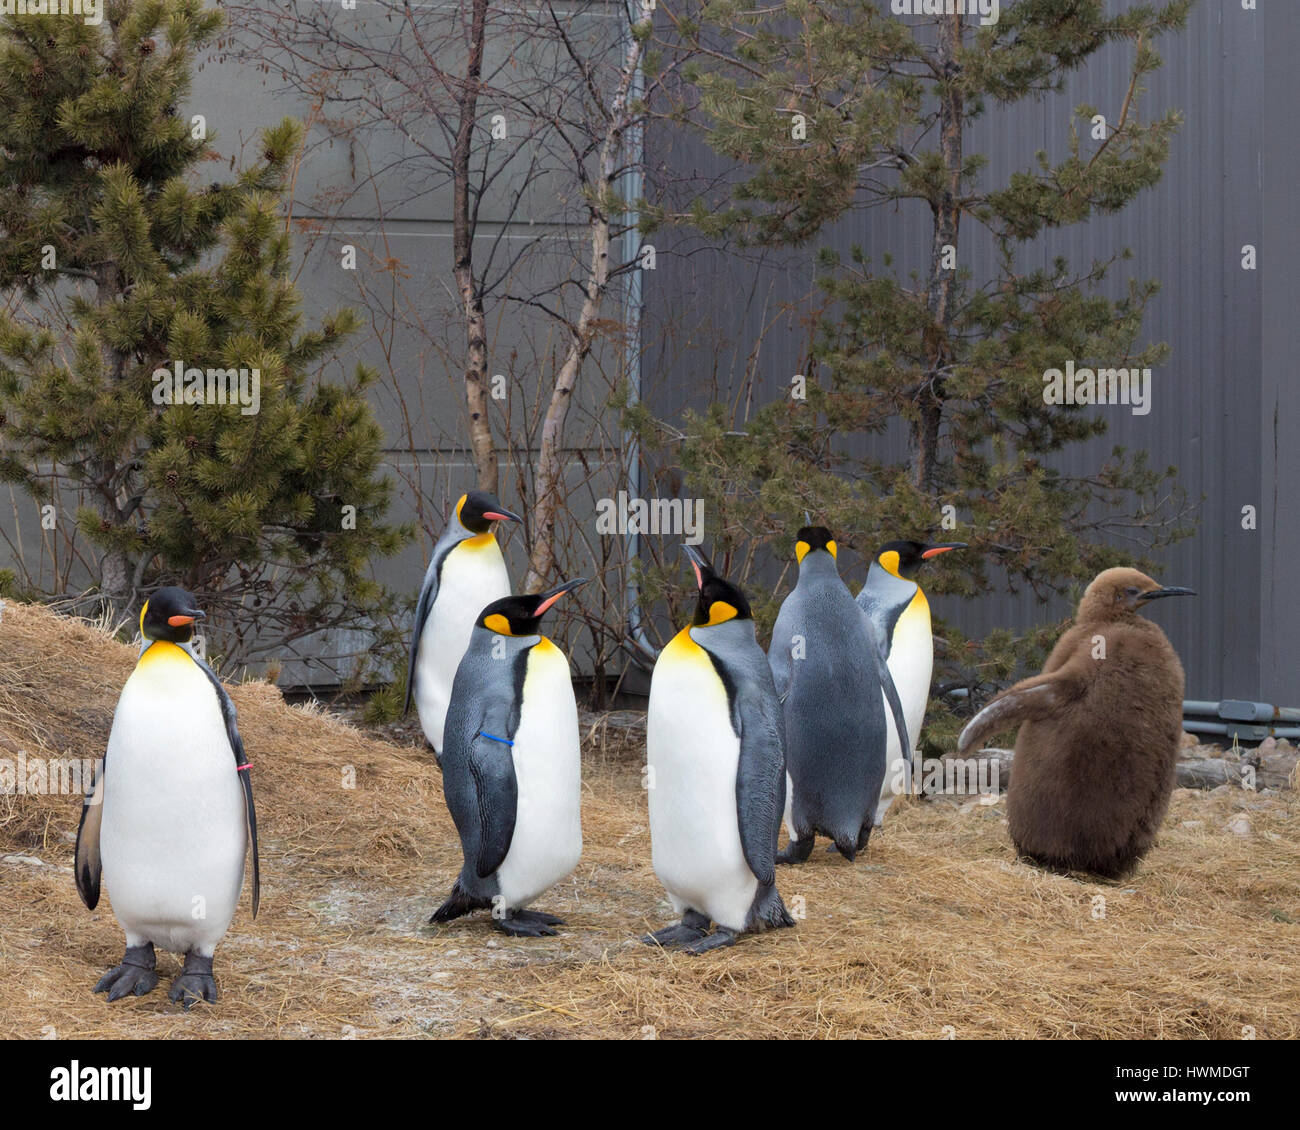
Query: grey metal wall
<point x="1231" y="375"/>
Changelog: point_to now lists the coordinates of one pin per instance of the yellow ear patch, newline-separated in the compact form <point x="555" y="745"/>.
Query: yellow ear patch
<point x="720" y="612"/>
<point x="143" y="610"/>
<point x="889" y="562"/>
<point x="833" y="550"/>
<point x="801" y="548"/>
<point x="499" y="624"/>
<point x="459" y="505"/>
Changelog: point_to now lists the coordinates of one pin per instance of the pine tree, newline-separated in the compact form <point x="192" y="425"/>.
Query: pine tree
<point x="884" y="105"/>
<point x="126" y="265"/>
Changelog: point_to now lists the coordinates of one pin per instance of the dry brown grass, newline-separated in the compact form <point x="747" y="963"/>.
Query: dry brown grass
<point x="937" y="927"/>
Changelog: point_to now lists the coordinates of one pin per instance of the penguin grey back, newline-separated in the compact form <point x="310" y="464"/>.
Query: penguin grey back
<point x="824" y="663"/>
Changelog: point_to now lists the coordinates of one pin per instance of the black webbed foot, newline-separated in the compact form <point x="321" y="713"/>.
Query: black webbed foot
<point x="133" y="976"/>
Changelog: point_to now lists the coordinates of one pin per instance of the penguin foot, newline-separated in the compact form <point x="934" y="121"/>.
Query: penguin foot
<point x="527" y="924"/>
<point x="717" y="940"/>
<point x="796" y="851"/>
<point x="674" y="937"/>
<point x="195" y="983"/>
<point x="539" y="916"/>
<point x="691" y="928"/>
<point x="133" y="976"/>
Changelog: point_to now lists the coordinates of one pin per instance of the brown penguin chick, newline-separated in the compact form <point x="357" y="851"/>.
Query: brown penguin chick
<point x="1099" y="734"/>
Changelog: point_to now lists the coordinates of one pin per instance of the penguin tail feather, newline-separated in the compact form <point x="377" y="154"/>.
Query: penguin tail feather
<point x="768" y="911"/>
<point x="459" y="903"/>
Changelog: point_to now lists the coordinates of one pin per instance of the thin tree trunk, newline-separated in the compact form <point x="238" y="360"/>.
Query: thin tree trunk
<point x="550" y="458"/>
<point x="476" y="376"/>
<point x="947" y="218"/>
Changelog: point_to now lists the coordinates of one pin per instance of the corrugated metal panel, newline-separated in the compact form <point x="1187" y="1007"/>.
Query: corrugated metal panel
<point x="1187" y="233"/>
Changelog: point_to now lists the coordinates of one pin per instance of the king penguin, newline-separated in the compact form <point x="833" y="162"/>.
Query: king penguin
<point x="171" y="816"/>
<point x="893" y="600"/>
<point x="1099" y="734"/>
<point x="510" y="767"/>
<point x="834" y="686"/>
<point x="465" y="575"/>
<point x="715" y="773"/>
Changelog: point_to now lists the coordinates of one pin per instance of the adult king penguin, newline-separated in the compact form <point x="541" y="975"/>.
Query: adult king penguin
<point x="893" y="600"/>
<point x="466" y="574"/>
<point x="716" y="773"/>
<point x="834" y="685"/>
<point x="172" y="812"/>
<point x="510" y="767"/>
<point x="1099" y="734"/>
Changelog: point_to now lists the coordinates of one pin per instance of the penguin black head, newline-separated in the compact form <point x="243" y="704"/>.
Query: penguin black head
<point x="720" y="600"/>
<point x="1122" y="592"/>
<point x="169" y="615"/>
<point x="905" y="558"/>
<point x="479" y="509"/>
<point x="522" y="615"/>
<point x="811" y="538"/>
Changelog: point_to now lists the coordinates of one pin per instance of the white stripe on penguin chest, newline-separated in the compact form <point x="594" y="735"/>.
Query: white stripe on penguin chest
<point x="547" y="841"/>
<point x="693" y="753"/>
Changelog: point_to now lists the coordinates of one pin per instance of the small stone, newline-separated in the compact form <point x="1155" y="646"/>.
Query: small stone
<point x="1189" y="824"/>
<point x="1240" y="826"/>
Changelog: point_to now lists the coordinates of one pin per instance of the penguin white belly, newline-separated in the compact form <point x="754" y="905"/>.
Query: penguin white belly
<point x="694" y="755"/>
<point x="911" y="663"/>
<point x="547" y="841"/>
<point x="174" y="827"/>
<point x="473" y="576"/>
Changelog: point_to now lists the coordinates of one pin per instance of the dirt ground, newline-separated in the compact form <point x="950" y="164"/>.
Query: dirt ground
<point x="937" y="931"/>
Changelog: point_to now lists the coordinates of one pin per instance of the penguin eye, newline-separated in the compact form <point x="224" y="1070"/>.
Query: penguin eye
<point x="1132" y="590"/>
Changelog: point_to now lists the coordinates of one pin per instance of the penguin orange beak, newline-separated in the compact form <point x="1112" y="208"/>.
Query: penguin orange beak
<point x="181" y="621"/>
<point x="551" y="597"/>
<point x="699" y="563"/>
<point x="935" y="550"/>
<point x="502" y="515"/>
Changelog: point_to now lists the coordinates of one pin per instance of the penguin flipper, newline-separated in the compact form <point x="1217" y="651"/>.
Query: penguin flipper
<point x="428" y="594"/>
<point x="1030" y="700"/>
<point x="87" y="866"/>
<point x="492" y="767"/>
<point x="243" y="769"/>
<point x="895" y="704"/>
<point x="760" y="781"/>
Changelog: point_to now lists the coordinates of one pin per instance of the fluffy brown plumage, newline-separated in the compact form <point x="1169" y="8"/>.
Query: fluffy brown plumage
<point x="1099" y="734"/>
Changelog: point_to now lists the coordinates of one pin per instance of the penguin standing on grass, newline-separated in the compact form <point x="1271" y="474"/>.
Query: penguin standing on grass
<point x="1099" y="734"/>
<point x="466" y="574"/>
<point x="896" y="606"/>
<point x="834" y="685"/>
<point x="171" y="816"/>
<point x="716" y="773"/>
<point x="510" y="767"/>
